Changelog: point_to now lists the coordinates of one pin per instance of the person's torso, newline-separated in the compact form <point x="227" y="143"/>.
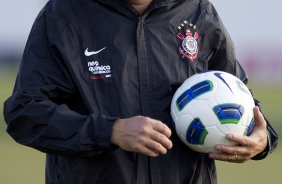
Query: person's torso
<point x="125" y="65"/>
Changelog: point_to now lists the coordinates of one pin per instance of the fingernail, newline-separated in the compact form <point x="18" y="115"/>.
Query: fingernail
<point x="211" y="156"/>
<point x="218" y="147"/>
<point x="229" y="136"/>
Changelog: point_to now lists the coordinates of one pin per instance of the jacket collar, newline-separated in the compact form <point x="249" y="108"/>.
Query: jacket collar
<point x="123" y="7"/>
<point x="125" y="1"/>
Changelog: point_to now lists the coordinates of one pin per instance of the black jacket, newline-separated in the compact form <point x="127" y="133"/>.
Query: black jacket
<point x="90" y="62"/>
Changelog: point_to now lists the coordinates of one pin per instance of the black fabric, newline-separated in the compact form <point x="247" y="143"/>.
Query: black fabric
<point x="67" y="96"/>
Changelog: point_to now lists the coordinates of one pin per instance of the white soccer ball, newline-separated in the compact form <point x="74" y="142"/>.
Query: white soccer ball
<point x="210" y="105"/>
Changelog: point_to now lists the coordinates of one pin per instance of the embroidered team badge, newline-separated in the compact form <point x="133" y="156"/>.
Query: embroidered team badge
<point x="189" y="36"/>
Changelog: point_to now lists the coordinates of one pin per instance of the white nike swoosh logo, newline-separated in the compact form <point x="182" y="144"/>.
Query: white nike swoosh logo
<point x="87" y="53"/>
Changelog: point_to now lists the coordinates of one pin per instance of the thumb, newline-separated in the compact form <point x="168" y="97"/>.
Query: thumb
<point x="260" y="122"/>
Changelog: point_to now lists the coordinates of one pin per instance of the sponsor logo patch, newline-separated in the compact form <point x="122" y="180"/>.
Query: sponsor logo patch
<point x="98" y="70"/>
<point x="87" y="53"/>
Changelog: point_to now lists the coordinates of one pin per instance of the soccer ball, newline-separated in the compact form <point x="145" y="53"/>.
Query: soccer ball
<point x="210" y="105"/>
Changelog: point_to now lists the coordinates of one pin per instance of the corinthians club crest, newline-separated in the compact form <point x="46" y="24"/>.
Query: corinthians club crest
<point x="189" y="41"/>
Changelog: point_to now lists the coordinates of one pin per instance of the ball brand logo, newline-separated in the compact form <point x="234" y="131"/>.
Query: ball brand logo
<point x="189" y="36"/>
<point x="243" y="87"/>
<point x="218" y="75"/>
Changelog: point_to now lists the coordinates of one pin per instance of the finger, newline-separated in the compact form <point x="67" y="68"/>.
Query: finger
<point x="162" y="128"/>
<point x="240" y="139"/>
<point x="145" y="148"/>
<point x="161" y="139"/>
<point x="156" y="147"/>
<point x="149" y="152"/>
<point x="259" y="119"/>
<point x="232" y="150"/>
<point x="236" y="158"/>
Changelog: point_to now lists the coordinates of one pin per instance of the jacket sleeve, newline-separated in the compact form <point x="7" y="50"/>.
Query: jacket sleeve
<point x="37" y="113"/>
<point x="224" y="59"/>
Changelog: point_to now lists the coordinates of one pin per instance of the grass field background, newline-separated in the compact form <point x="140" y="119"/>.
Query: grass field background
<point x="22" y="165"/>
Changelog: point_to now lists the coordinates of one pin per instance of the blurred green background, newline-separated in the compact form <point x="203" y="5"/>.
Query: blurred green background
<point x="23" y="165"/>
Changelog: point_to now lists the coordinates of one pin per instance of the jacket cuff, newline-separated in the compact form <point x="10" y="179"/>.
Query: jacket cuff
<point x="266" y="151"/>
<point x="104" y="133"/>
